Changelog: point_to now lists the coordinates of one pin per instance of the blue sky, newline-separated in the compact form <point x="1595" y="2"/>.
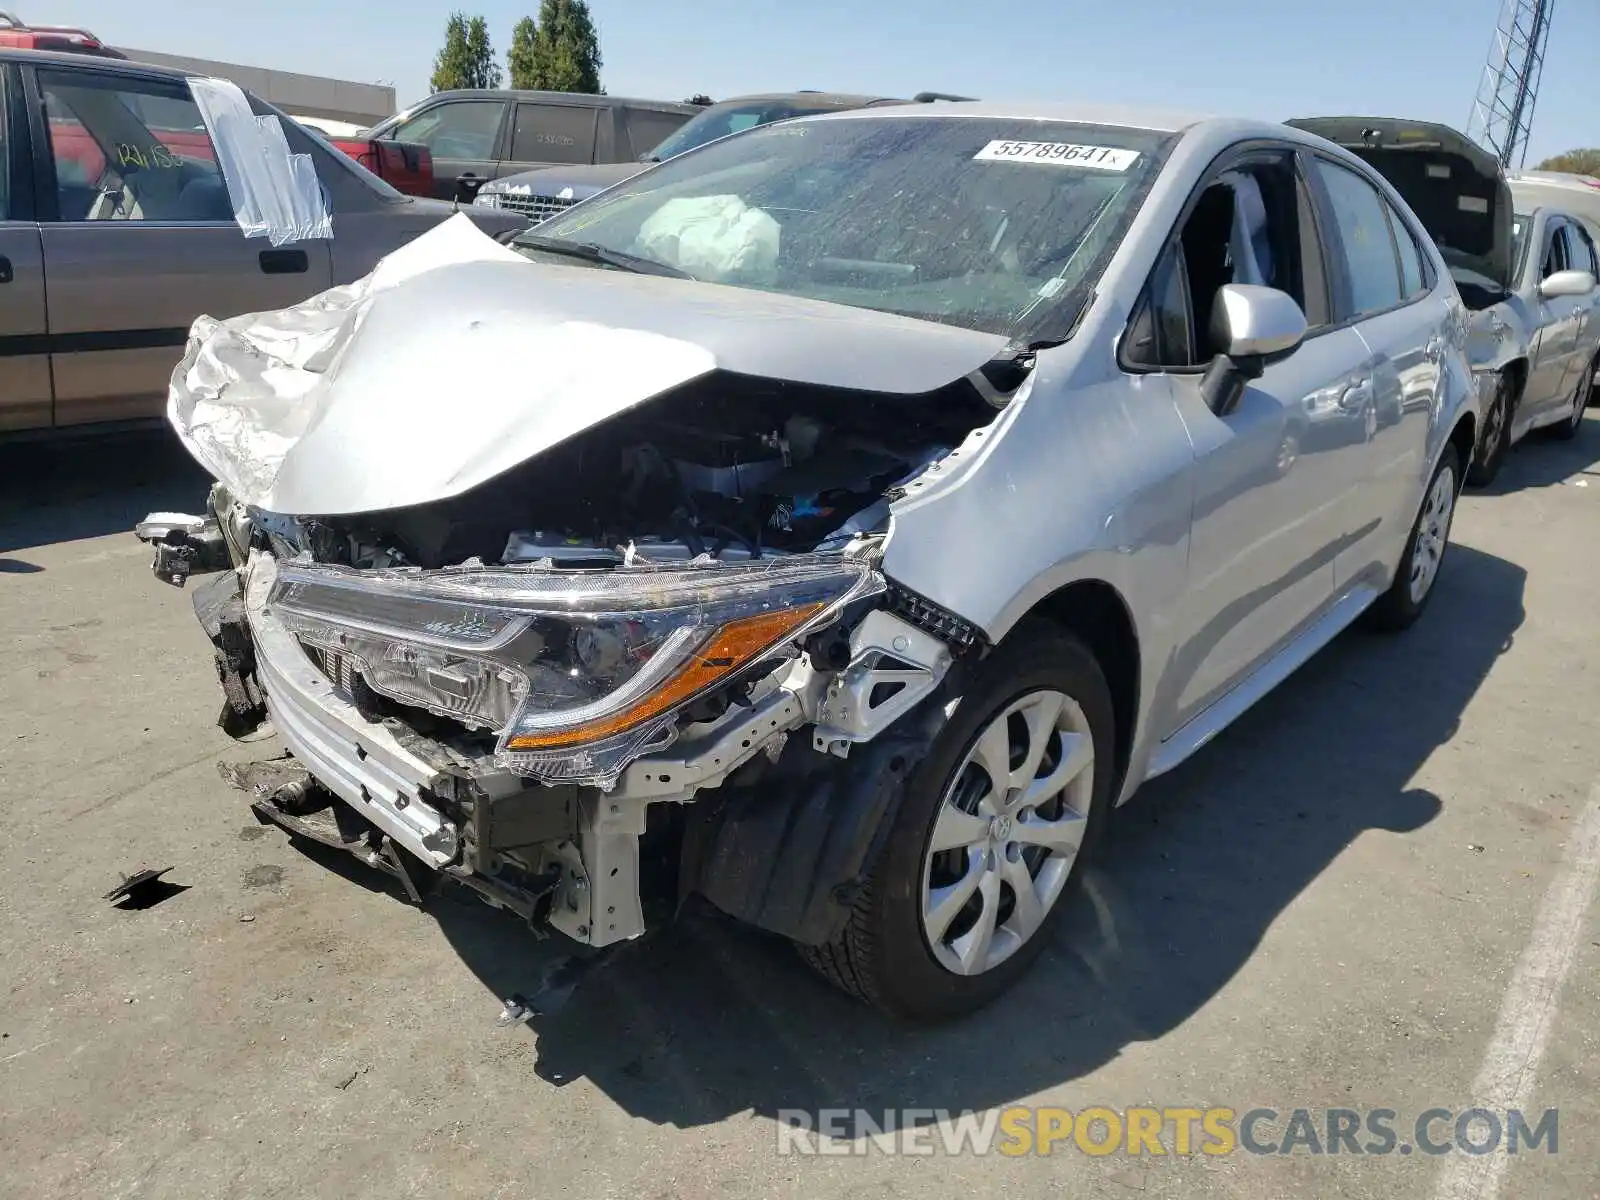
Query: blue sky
<point x="1416" y="58"/>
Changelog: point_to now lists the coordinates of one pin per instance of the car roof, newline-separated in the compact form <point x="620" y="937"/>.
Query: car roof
<point x="1128" y="116"/>
<point x="581" y="99"/>
<point x="1570" y="195"/>
<point x="1561" y="179"/>
<point x="828" y="100"/>
<point x="91" y="62"/>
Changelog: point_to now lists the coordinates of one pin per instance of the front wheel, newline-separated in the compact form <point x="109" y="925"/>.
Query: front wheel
<point x="990" y="836"/>
<point x="1419" y="566"/>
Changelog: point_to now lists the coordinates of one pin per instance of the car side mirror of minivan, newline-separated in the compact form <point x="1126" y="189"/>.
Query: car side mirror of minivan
<point x="1251" y="326"/>
<point x="1566" y="283"/>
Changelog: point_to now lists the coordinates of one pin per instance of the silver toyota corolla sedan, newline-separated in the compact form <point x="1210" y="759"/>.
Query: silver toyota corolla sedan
<point x="836" y="522"/>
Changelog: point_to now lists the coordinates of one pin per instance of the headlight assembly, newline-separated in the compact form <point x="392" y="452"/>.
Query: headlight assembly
<point x="578" y="672"/>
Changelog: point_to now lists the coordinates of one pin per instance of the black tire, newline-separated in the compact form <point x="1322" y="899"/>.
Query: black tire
<point x="882" y="956"/>
<point x="1490" y="452"/>
<point x="1397" y="609"/>
<point x="1581" y="399"/>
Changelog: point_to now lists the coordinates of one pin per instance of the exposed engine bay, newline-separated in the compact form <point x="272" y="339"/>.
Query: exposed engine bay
<point x="727" y="468"/>
<point x="755" y="501"/>
<point x="505" y="637"/>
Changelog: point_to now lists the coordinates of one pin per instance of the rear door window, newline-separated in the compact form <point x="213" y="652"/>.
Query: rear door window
<point x="553" y="133"/>
<point x="1413" y="282"/>
<point x="648" y="129"/>
<point x="1369" y="247"/>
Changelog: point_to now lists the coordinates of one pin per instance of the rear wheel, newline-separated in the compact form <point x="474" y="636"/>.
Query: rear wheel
<point x="1419" y="566"/>
<point x="989" y="838"/>
<point x="1568" y="429"/>
<point x="1495" y="440"/>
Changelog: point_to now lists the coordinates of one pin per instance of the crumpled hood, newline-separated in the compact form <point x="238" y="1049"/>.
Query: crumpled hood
<point x="457" y="359"/>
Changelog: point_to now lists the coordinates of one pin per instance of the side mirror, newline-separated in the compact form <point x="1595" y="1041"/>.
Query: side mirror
<point x="1250" y="327"/>
<point x="1566" y="283"/>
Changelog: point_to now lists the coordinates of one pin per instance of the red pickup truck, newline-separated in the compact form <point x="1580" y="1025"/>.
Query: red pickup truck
<point x="61" y="38"/>
<point x="405" y="166"/>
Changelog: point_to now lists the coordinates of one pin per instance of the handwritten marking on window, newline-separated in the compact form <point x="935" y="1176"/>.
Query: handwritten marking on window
<point x="154" y="157"/>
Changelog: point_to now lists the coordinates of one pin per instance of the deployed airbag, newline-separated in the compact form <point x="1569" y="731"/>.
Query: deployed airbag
<point x="712" y="237"/>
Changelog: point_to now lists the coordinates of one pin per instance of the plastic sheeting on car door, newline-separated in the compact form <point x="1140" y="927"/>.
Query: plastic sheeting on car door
<point x="276" y="194"/>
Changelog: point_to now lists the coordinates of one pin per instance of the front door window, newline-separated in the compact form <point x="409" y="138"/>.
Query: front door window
<point x="130" y="150"/>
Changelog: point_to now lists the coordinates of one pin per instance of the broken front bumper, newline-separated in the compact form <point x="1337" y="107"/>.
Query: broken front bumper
<point x="789" y="831"/>
<point x="360" y="762"/>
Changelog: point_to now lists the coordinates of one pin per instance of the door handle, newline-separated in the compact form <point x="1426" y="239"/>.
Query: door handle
<point x="1356" y="397"/>
<point x="284" y="262"/>
<point x="7" y="274"/>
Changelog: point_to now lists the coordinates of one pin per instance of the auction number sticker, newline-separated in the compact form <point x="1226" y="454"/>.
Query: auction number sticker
<point x="1062" y="154"/>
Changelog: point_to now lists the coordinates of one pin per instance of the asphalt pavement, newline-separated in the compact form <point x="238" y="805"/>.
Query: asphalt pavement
<point x="1371" y="893"/>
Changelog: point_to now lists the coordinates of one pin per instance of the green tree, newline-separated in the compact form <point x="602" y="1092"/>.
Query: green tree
<point x="466" y="59"/>
<point x="521" y="57"/>
<point x="485" y="71"/>
<point x="1577" y="162"/>
<point x="566" y="48"/>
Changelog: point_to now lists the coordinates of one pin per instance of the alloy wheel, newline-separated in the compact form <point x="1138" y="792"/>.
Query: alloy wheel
<point x="1433" y="534"/>
<point x="1006" y="832"/>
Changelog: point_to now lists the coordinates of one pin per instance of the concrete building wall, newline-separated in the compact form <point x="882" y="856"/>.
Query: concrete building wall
<point x="298" y="95"/>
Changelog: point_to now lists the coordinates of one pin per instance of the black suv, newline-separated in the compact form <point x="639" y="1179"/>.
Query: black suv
<point x="545" y="192"/>
<point x="476" y="136"/>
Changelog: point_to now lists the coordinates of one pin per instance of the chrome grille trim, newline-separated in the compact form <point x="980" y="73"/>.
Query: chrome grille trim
<point x="538" y="208"/>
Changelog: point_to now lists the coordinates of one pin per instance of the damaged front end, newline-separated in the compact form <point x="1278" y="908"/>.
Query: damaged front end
<point x="522" y="683"/>
<point x="515" y="725"/>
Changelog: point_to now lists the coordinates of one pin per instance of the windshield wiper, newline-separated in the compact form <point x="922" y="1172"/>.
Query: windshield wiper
<point x="603" y="255"/>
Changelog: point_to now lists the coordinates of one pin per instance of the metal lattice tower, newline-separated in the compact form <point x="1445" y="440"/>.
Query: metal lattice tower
<point x="1502" y="116"/>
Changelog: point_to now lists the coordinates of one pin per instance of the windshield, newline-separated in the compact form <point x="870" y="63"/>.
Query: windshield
<point x="986" y="223"/>
<point x="725" y="119"/>
<point x="1519" y="239"/>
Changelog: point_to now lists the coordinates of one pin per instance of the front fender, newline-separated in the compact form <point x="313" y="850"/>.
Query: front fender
<point x="1498" y="336"/>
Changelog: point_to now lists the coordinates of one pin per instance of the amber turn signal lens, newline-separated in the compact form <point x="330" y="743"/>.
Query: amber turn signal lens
<point x="735" y="645"/>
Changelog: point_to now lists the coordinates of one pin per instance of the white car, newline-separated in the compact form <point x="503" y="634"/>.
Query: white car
<point x="1535" y="311"/>
<point x="1576" y="195"/>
